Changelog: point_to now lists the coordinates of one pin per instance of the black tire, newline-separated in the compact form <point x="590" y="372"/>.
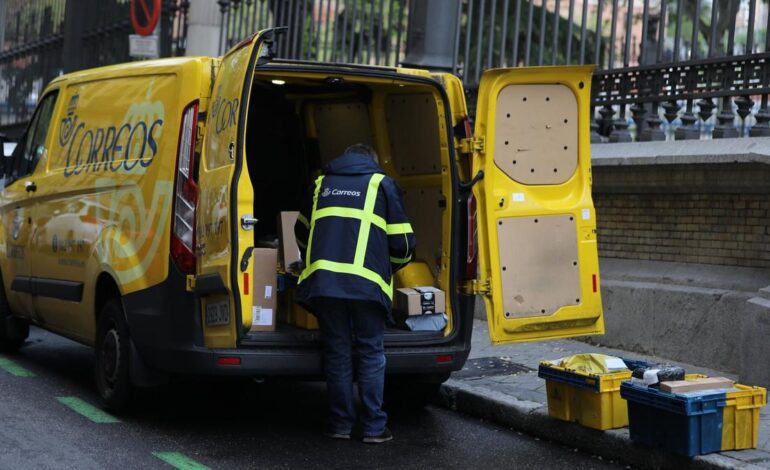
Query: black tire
<point x="411" y="392"/>
<point x="113" y="380"/>
<point x="13" y="331"/>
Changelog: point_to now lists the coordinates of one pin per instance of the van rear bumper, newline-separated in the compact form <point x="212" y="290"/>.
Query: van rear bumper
<point x="267" y="362"/>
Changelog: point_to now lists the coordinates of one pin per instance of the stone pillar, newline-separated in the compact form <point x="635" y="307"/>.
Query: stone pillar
<point x="431" y="33"/>
<point x="203" y="28"/>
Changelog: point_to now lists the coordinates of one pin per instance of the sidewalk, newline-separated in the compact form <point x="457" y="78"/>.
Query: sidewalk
<point x="500" y="383"/>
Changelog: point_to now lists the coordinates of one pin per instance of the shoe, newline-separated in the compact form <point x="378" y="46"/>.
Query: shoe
<point x="384" y="437"/>
<point x="337" y="435"/>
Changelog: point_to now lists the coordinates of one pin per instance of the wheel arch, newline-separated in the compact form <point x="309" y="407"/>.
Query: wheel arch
<point x="106" y="288"/>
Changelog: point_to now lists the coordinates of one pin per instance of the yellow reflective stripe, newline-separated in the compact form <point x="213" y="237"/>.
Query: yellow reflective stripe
<point x="347" y="268"/>
<point x="301" y="218"/>
<point x="395" y="260"/>
<point x="308" y="252"/>
<point x="350" y="213"/>
<point x="396" y="229"/>
<point x="366" y="219"/>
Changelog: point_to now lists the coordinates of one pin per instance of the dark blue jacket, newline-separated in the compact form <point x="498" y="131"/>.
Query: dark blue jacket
<point x="353" y="233"/>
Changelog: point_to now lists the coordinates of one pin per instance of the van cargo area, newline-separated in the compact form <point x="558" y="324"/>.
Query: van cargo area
<point x="298" y="121"/>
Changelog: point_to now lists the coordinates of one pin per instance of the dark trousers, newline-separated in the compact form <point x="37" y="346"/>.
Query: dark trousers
<point x="346" y="324"/>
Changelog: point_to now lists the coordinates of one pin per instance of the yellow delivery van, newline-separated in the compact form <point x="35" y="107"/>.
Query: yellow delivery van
<point x="133" y="203"/>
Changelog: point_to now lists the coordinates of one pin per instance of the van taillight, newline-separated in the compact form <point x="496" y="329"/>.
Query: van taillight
<point x="185" y="193"/>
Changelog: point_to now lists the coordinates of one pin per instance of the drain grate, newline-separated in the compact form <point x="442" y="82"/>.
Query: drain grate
<point x="489" y="366"/>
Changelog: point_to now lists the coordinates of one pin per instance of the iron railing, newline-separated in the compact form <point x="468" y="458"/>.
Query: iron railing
<point x="40" y="39"/>
<point x="354" y="31"/>
<point x="660" y="63"/>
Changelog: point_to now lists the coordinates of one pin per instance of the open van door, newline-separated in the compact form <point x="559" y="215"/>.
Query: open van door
<point x="538" y="260"/>
<point x="224" y="223"/>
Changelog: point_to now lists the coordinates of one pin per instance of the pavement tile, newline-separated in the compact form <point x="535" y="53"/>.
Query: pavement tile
<point x="527" y="387"/>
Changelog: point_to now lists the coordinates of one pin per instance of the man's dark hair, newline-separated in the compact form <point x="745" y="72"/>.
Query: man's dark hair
<point x="362" y="149"/>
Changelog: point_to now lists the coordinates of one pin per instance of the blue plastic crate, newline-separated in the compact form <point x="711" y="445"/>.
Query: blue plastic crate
<point x="685" y="425"/>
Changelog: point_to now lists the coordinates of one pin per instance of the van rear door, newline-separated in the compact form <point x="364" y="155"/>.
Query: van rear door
<point x="538" y="261"/>
<point x="224" y="222"/>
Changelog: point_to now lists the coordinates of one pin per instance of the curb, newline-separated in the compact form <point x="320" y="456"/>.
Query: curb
<point x="532" y="418"/>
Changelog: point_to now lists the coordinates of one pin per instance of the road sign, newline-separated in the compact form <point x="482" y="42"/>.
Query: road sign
<point x="143" y="47"/>
<point x="144" y="16"/>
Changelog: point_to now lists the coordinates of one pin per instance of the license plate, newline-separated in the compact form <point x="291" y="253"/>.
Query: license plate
<point x="218" y="313"/>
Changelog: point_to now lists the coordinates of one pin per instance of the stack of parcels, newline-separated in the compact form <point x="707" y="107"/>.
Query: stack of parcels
<point x="276" y="272"/>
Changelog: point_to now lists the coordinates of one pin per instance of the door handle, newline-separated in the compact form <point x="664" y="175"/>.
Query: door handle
<point x="248" y="222"/>
<point x="30" y="186"/>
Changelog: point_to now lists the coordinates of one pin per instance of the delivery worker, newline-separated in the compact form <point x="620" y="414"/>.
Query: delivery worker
<point x="353" y="234"/>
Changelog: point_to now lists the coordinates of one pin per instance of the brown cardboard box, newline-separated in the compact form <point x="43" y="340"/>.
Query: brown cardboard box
<point x="288" y="243"/>
<point x="265" y="294"/>
<point x="419" y="300"/>
<point x="682" y="386"/>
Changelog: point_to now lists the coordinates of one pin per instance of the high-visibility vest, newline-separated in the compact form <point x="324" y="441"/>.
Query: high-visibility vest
<point x="365" y="213"/>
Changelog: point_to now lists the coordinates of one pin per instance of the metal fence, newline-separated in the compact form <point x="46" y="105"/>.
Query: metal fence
<point x="662" y="64"/>
<point x="41" y="39"/>
<point x="354" y="31"/>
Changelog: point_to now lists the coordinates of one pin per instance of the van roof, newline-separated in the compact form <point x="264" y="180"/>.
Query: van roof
<point x="132" y="68"/>
<point x="169" y="64"/>
<point x="346" y="65"/>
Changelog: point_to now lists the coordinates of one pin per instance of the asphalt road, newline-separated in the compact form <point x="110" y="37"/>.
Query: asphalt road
<point x="46" y="391"/>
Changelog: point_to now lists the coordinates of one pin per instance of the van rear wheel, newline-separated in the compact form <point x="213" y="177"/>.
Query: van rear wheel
<point x="113" y="380"/>
<point x="13" y="331"/>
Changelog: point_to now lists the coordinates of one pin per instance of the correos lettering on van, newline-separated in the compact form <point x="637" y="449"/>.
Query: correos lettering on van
<point x="224" y="112"/>
<point x="97" y="147"/>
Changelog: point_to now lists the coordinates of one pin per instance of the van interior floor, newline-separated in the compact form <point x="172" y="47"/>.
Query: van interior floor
<point x="290" y="334"/>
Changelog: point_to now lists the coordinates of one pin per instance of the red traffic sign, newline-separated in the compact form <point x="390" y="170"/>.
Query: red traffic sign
<point x="145" y="15"/>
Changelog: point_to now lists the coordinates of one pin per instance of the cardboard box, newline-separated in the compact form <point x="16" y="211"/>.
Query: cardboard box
<point x="682" y="386"/>
<point x="419" y="300"/>
<point x="265" y="293"/>
<point x="287" y="241"/>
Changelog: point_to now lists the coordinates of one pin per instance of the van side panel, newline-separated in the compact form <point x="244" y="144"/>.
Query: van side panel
<point x="104" y="204"/>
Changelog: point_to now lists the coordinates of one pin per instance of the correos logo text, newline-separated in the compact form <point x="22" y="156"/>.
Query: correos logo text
<point x="339" y="192"/>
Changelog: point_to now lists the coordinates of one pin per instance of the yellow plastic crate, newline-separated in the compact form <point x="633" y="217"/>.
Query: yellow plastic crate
<point x="592" y="400"/>
<point x="740" y="417"/>
<point x="302" y="318"/>
<point x="294" y="314"/>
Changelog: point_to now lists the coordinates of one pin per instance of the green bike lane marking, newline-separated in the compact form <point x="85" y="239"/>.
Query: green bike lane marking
<point x="175" y="459"/>
<point x="89" y="411"/>
<point x="180" y="461"/>
<point x="13" y="368"/>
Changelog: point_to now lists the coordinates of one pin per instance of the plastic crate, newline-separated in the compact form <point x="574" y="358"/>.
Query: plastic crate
<point x="694" y="424"/>
<point x="740" y="419"/>
<point x="593" y="400"/>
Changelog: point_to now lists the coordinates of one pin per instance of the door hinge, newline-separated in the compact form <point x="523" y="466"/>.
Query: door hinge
<point x="472" y="145"/>
<point x="190" y="283"/>
<point x="479" y="287"/>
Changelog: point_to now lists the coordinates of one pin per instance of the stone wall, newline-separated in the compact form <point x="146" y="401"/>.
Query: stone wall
<point x="724" y="229"/>
<point x="711" y="210"/>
